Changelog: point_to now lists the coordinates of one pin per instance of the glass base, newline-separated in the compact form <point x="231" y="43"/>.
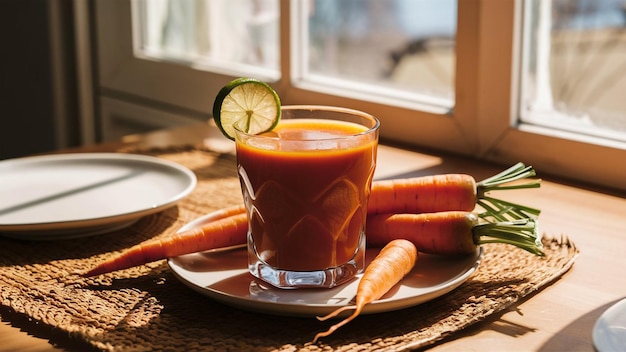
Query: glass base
<point x="325" y="278"/>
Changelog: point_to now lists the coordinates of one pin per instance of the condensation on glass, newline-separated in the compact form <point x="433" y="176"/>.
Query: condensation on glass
<point x="209" y="34"/>
<point x="574" y="71"/>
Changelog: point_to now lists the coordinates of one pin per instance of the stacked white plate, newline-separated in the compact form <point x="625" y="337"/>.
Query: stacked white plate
<point x="84" y="194"/>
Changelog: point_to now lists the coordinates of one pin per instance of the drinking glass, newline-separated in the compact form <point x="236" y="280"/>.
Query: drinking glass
<point x="306" y="185"/>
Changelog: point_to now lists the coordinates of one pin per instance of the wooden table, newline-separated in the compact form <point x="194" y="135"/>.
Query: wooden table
<point x="560" y="317"/>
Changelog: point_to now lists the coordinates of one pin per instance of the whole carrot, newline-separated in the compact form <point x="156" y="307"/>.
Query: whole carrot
<point x="408" y="195"/>
<point x="451" y="232"/>
<point x="429" y="194"/>
<point x="446" y="192"/>
<point x="394" y="261"/>
<point x="228" y="229"/>
<point x="440" y="233"/>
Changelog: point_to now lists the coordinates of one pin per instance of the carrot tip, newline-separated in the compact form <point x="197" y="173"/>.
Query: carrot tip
<point x="335" y="313"/>
<point x="90" y="273"/>
<point x="318" y="336"/>
<point x="339" y="324"/>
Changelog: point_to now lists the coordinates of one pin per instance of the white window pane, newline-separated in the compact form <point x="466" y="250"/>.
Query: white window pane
<point x="236" y="35"/>
<point x="574" y="77"/>
<point x="397" y="45"/>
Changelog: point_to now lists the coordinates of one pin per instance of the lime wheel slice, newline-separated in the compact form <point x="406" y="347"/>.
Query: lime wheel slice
<point x="247" y="104"/>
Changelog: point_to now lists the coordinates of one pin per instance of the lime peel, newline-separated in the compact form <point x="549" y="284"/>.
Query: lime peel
<point x="247" y="104"/>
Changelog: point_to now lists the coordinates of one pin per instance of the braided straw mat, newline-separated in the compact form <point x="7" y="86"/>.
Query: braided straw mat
<point x="147" y="308"/>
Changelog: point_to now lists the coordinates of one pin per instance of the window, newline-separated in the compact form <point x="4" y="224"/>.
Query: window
<point x="391" y="48"/>
<point x="401" y="48"/>
<point x="469" y="79"/>
<point x="575" y="69"/>
<point x="221" y="35"/>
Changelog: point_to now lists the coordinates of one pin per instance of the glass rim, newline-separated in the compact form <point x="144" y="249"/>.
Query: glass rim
<point x="337" y="109"/>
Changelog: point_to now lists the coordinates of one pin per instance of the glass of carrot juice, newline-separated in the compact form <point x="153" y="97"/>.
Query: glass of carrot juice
<point x="306" y="185"/>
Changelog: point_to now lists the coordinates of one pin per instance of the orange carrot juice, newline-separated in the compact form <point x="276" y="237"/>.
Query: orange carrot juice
<point x="306" y="186"/>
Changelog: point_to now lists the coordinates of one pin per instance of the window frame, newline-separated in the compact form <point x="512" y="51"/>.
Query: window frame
<point x="482" y="125"/>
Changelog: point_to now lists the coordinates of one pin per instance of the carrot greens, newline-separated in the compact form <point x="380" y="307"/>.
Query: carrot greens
<point x="522" y="233"/>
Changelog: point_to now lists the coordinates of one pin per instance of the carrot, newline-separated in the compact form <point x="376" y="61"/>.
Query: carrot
<point x="429" y="194"/>
<point x="425" y="194"/>
<point x="451" y="232"/>
<point x="228" y="229"/>
<point x="393" y="262"/>
<point x="444" y="192"/>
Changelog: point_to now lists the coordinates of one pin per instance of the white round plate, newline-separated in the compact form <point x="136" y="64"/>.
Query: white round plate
<point x="609" y="332"/>
<point x="223" y="276"/>
<point x="84" y="194"/>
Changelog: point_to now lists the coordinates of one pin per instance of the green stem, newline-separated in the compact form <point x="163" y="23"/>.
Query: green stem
<point x="521" y="233"/>
<point x="502" y="210"/>
<point x="516" y="172"/>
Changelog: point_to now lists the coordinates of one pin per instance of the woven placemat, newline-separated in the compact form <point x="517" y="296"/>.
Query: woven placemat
<point x="147" y="308"/>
